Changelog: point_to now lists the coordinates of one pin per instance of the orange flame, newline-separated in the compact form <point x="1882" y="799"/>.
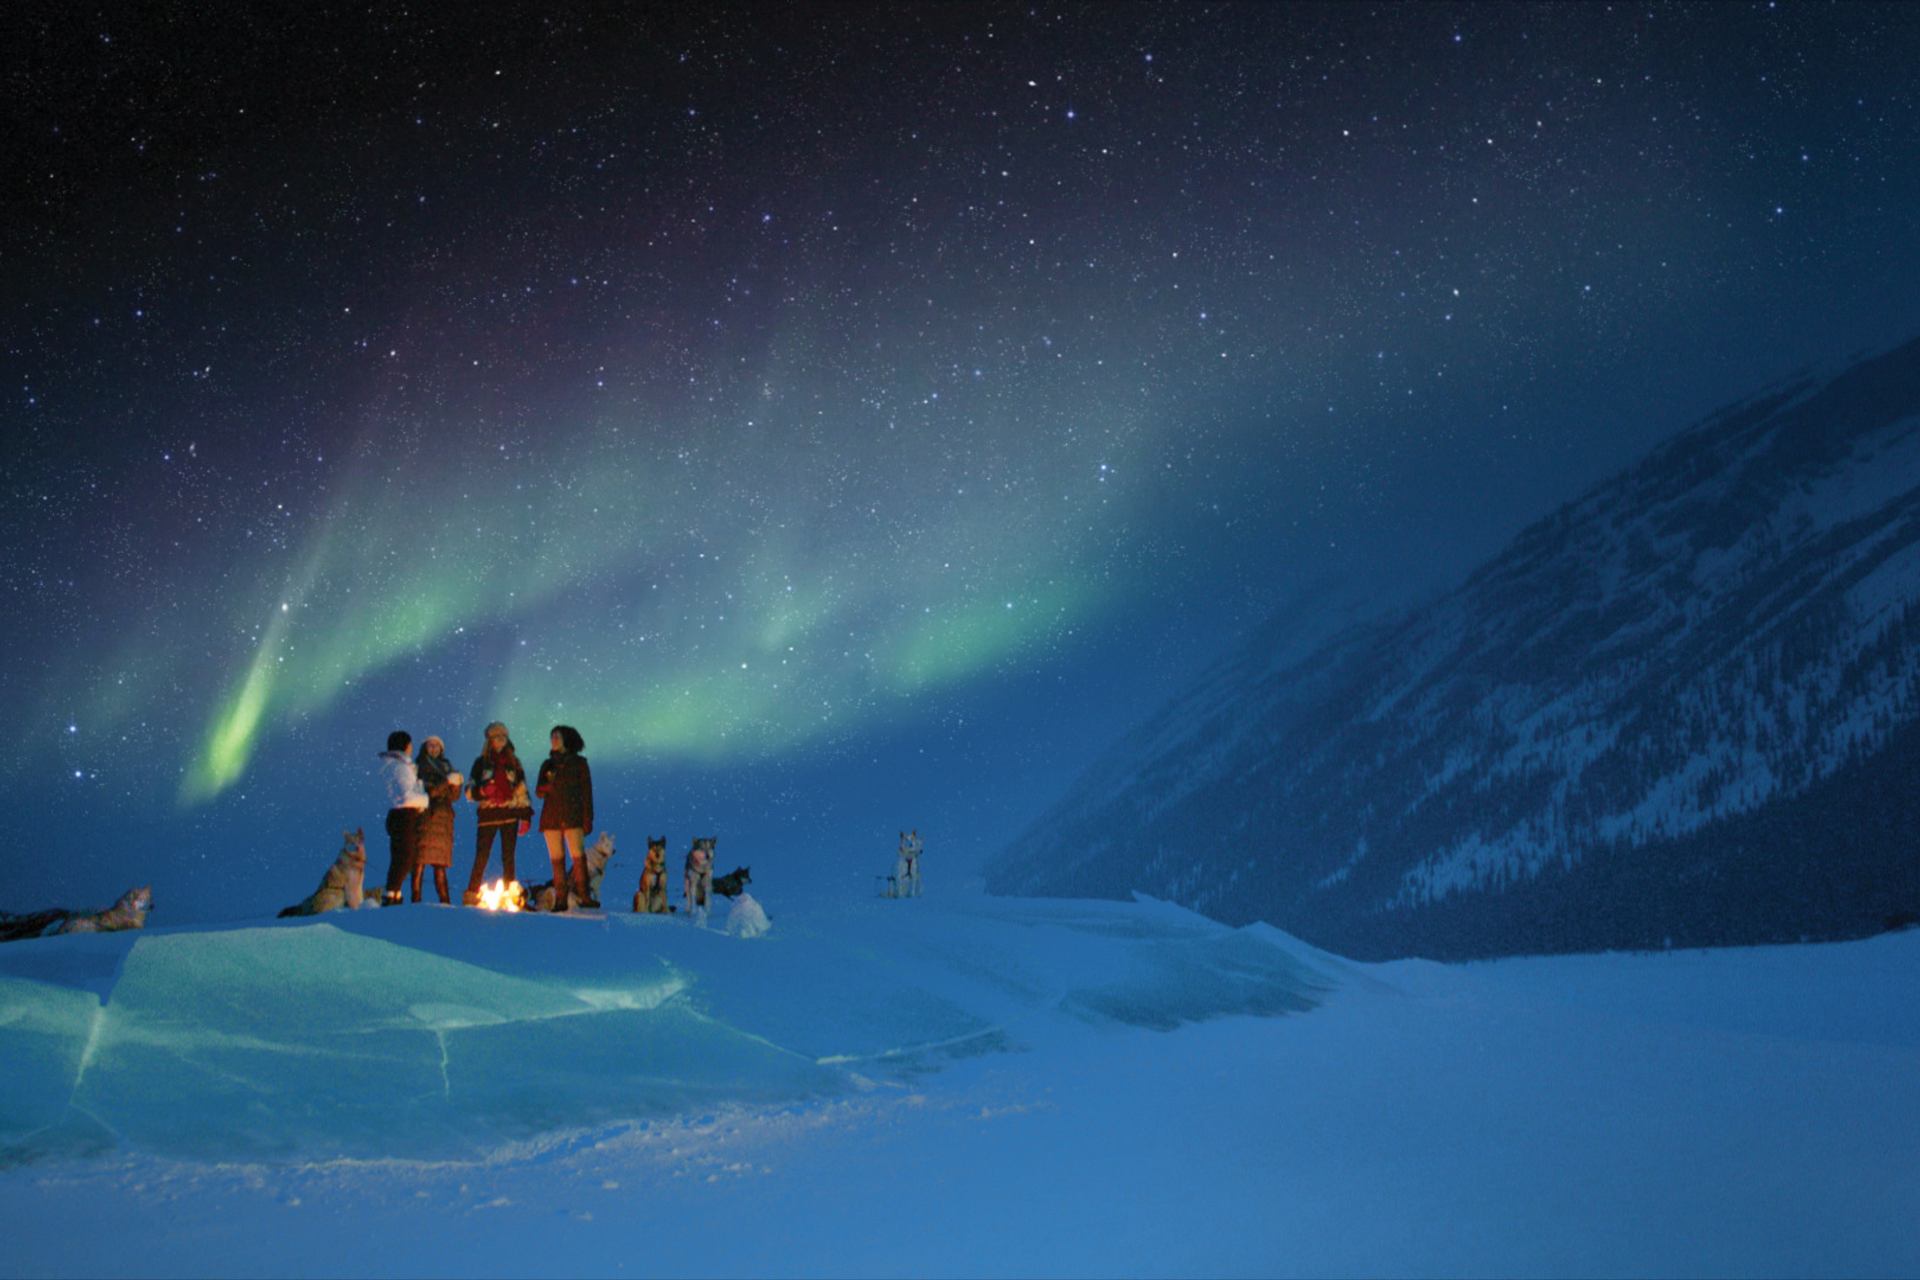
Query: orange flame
<point x="502" y="895"/>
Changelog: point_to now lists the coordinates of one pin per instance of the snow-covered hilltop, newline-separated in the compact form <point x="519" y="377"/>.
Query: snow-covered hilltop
<point x="947" y="1086"/>
<point x="1681" y="709"/>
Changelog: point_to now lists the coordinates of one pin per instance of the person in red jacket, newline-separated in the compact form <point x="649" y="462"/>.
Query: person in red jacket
<point x="565" y="786"/>
<point x="497" y="784"/>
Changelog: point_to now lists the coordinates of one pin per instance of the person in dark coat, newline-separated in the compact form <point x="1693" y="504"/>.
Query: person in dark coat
<point x="497" y="784"/>
<point x="565" y="786"/>
<point x="442" y="785"/>
<point x="406" y="802"/>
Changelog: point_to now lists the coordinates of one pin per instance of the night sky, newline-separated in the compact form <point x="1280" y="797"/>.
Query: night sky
<point x="848" y="418"/>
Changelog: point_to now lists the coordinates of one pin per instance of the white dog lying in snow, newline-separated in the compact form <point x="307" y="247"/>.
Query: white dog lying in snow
<point x="746" y="919"/>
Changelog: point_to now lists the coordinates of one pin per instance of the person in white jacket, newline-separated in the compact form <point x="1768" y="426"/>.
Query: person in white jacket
<point x="406" y="806"/>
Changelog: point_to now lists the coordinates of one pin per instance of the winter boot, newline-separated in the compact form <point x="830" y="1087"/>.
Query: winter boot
<point x="582" y="896"/>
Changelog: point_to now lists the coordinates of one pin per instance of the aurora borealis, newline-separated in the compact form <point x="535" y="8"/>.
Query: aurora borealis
<point x="896" y="403"/>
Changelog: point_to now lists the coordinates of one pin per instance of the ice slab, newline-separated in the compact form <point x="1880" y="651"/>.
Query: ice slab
<point x="835" y="1001"/>
<point x="445" y="1033"/>
<point x="46" y="1030"/>
<point x="1151" y="964"/>
<point x="83" y="961"/>
<point x="1170" y="982"/>
<point x="315" y="1042"/>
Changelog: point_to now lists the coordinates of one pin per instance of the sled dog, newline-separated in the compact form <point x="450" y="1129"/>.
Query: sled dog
<point x="906" y="867"/>
<point x="128" y="913"/>
<point x="698" y="886"/>
<point x="651" y="897"/>
<point x="746" y="918"/>
<point x="344" y="883"/>
<point x="734" y="882"/>
<point x="596" y="856"/>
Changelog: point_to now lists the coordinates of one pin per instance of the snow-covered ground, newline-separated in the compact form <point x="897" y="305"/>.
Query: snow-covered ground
<point x="944" y="1086"/>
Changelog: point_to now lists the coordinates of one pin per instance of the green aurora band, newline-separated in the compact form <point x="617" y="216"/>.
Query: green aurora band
<point x="755" y="627"/>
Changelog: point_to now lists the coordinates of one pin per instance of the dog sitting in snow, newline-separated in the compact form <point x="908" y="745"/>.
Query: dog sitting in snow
<point x="906" y="871"/>
<point x="734" y="882"/>
<point x="344" y="883"/>
<point x="128" y="913"/>
<point x="698" y="886"/>
<point x="596" y="856"/>
<point x="651" y="897"/>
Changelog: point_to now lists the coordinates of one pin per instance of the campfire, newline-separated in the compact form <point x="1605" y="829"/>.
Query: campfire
<point x="502" y="895"/>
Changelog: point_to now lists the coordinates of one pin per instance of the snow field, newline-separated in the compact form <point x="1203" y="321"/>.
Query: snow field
<point x="980" y="1086"/>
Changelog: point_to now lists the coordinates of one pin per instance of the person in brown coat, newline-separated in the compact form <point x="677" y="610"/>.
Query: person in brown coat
<point x="498" y="785"/>
<point x="565" y="785"/>
<point x="435" y="848"/>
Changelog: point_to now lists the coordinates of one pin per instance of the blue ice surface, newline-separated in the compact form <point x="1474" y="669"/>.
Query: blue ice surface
<point x="83" y="961"/>
<point x="439" y="1033"/>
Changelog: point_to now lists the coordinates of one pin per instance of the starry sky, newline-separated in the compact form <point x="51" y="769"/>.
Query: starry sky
<point x="849" y="418"/>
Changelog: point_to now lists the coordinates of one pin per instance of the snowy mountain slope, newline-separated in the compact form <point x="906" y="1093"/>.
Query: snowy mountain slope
<point x="945" y="1087"/>
<point x="1613" y="734"/>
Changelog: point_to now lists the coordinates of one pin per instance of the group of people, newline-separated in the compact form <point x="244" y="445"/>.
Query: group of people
<point x="421" y="791"/>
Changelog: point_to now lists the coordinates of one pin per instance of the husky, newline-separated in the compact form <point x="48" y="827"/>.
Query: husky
<point x="32" y="924"/>
<point x="906" y="867"/>
<point x="746" y="918"/>
<point x="128" y="913"/>
<point x="596" y="856"/>
<point x="344" y="883"/>
<point x="651" y="897"/>
<point x="734" y="882"/>
<point x="698" y="886"/>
